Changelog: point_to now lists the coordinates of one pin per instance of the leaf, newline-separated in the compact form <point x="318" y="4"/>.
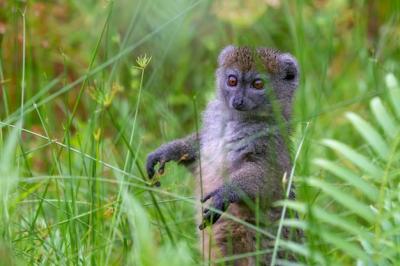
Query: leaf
<point x="344" y="199"/>
<point x="294" y="223"/>
<point x="371" y="136"/>
<point x="339" y="222"/>
<point x="346" y="175"/>
<point x="340" y="232"/>
<point x="8" y="177"/>
<point x="142" y="234"/>
<point x="288" y="263"/>
<point x="384" y="118"/>
<point x="358" y="159"/>
<point x="294" y="205"/>
<point x="8" y="152"/>
<point x="394" y="92"/>
<point x="328" y="218"/>
<point x="346" y="246"/>
<point x="302" y="250"/>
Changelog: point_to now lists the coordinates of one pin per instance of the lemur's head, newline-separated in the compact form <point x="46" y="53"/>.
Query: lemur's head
<point x="251" y="80"/>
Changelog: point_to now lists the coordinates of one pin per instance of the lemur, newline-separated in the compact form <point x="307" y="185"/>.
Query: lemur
<point x="243" y="149"/>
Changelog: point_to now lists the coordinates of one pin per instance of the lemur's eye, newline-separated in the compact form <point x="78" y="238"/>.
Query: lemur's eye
<point x="258" y="84"/>
<point x="232" y="81"/>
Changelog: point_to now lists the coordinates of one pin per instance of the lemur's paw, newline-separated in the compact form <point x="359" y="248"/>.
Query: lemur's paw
<point x="153" y="159"/>
<point x="219" y="204"/>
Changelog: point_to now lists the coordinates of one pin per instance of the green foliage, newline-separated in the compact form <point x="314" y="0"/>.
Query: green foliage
<point x="83" y="105"/>
<point x="356" y="216"/>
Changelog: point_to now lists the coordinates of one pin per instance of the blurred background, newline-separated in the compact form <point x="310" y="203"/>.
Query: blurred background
<point x="99" y="84"/>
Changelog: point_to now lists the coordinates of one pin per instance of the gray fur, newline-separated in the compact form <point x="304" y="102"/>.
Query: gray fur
<point x="243" y="150"/>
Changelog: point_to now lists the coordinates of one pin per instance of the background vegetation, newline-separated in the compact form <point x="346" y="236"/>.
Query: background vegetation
<point x="88" y="88"/>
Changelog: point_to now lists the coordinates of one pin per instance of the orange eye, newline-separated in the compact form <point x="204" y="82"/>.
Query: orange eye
<point x="232" y="81"/>
<point x="258" y="84"/>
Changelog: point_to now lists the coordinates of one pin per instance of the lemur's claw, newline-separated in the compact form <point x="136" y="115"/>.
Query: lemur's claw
<point x="208" y="196"/>
<point x="152" y="160"/>
<point x="161" y="168"/>
<point x="209" y="218"/>
<point x="219" y="203"/>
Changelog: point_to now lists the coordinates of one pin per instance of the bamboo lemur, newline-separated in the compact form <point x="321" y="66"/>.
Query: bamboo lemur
<point x="242" y="148"/>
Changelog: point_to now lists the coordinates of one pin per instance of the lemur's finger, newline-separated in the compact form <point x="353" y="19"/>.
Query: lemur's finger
<point x="209" y="218"/>
<point x="208" y="196"/>
<point x="157" y="184"/>
<point x="205" y="221"/>
<point x="161" y="168"/>
<point x="152" y="160"/>
<point x="202" y="226"/>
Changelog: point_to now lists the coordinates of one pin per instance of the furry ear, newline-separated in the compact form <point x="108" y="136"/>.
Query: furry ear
<point x="225" y="53"/>
<point x="288" y="67"/>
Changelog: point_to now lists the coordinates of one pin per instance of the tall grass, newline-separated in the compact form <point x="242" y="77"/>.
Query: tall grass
<point x="356" y="216"/>
<point x="82" y="106"/>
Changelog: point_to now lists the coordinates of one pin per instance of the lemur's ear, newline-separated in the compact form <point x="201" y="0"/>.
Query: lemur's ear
<point x="288" y="67"/>
<point x="225" y="53"/>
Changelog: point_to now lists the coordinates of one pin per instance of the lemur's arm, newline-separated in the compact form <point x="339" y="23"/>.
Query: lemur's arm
<point x="245" y="183"/>
<point x="184" y="151"/>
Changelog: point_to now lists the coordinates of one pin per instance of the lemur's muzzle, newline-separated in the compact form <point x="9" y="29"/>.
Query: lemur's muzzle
<point x="238" y="103"/>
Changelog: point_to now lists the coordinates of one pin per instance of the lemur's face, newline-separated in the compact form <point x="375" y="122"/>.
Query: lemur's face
<point x="249" y="80"/>
<point x="244" y="90"/>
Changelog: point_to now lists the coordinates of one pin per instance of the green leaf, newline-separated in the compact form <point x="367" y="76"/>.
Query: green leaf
<point x="140" y="229"/>
<point x="327" y="217"/>
<point x="302" y="250"/>
<point x="384" y="118"/>
<point x="338" y="230"/>
<point x="344" y="199"/>
<point x="346" y="175"/>
<point x="371" y="136"/>
<point x="288" y="263"/>
<point x="294" y="205"/>
<point x="346" y="246"/>
<point x="358" y="159"/>
<point x="294" y="223"/>
<point x="8" y="180"/>
<point x="394" y="92"/>
<point x="8" y="152"/>
<point x="339" y="222"/>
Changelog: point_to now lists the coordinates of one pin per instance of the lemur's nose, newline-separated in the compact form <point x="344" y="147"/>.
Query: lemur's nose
<point x="238" y="103"/>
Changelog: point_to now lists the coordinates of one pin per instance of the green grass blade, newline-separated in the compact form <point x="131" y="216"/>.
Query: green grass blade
<point x="394" y="92"/>
<point x="346" y="246"/>
<point x="384" y="118"/>
<point x="329" y="218"/>
<point x="345" y="199"/>
<point x="371" y="136"/>
<point x="369" y="190"/>
<point x="8" y="181"/>
<point x="358" y="159"/>
<point x="288" y="191"/>
<point x="303" y="250"/>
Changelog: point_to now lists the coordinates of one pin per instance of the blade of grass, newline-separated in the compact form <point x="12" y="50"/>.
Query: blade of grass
<point x="288" y="191"/>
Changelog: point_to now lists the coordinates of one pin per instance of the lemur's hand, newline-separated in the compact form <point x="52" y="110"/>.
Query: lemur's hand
<point x="181" y="151"/>
<point x="154" y="158"/>
<point x="221" y="198"/>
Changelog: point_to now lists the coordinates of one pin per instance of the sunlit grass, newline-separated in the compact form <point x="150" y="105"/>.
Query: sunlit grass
<point x="88" y="89"/>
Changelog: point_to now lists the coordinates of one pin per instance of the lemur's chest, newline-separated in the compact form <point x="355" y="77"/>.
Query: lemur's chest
<point x="214" y="155"/>
<point x="223" y="145"/>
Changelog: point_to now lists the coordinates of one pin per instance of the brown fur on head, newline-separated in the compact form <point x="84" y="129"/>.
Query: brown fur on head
<point x="245" y="58"/>
<point x="269" y="57"/>
<point x="241" y="58"/>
